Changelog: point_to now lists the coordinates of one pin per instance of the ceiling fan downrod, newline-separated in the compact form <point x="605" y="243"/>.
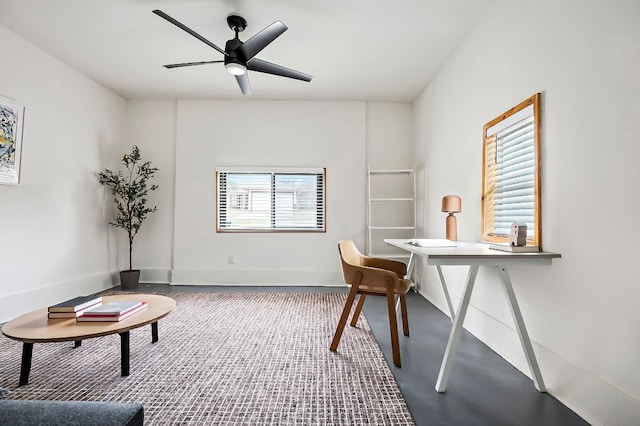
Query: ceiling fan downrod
<point x="237" y="23"/>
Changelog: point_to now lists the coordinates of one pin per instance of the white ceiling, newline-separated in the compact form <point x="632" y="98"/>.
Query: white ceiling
<point x="355" y="49"/>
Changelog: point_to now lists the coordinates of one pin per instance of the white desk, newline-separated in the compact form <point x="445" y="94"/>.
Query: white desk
<point x="475" y="255"/>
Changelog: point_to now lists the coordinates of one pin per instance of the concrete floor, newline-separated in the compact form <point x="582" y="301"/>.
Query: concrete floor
<point x="483" y="388"/>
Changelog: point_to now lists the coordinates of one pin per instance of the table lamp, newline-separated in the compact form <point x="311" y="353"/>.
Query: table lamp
<point x="452" y="204"/>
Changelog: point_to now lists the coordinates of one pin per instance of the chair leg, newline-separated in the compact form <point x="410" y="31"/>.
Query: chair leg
<point x="405" y="316"/>
<point x="393" y="326"/>
<point x="356" y="314"/>
<point x="343" y="318"/>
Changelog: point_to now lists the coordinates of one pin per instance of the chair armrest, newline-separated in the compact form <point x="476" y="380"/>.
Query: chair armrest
<point x="391" y="265"/>
<point x="382" y="279"/>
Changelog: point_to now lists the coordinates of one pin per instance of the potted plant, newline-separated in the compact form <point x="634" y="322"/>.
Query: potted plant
<point x="130" y="189"/>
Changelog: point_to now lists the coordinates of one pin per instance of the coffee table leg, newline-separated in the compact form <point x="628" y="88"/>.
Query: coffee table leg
<point x="77" y="343"/>
<point x="25" y="368"/>
<point x="124" y="353"/>
<point x="154" y="332"/>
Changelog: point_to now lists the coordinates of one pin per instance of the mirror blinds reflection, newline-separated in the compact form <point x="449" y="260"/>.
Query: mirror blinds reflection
<point x="511" y="173"/>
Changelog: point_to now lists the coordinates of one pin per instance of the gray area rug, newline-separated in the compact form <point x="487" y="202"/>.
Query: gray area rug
<point x="226" y="359"/>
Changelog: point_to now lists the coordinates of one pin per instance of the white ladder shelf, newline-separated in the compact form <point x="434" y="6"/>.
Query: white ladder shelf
<point x="382" y="188"/>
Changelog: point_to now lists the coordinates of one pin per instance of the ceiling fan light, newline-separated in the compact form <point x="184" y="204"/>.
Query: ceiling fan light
<point x="235" y="68"/>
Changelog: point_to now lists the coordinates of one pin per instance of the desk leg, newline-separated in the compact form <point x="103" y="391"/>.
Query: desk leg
<point x="124" y="353"/>
<point x="446" y="292"/>
<point x="522" y="330"/>
<point x="25" y="367"/>
<point x="410" y="265"/>
<point x="454" y="336"/>
<point x="154" y="332"/>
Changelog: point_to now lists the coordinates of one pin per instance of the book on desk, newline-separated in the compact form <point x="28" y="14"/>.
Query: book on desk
<point x="430" y="242"/>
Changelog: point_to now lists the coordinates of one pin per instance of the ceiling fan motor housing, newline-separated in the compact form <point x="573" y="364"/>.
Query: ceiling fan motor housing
<point x="236" y="23"/>
<point x="233" y="54"/>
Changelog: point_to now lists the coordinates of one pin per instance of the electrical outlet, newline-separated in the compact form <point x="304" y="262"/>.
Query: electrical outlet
<point x="231" y="260"/>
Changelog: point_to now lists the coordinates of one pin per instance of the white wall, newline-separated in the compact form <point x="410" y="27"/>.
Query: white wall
<point x="212" y="134"/>
<point x="389" y="135"/>
<point x="189" y="139"/>
<point x="53" y="227"/>
<point x="389" y="147"/>
<point x="152" y="126"/>
<point x="584" y="56"/>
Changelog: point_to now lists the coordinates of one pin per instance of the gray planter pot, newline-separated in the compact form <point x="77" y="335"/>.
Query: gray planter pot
<point x="129" y="279"/>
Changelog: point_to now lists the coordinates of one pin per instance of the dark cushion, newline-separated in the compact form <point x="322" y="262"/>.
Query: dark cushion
<point x="69" y="413"/>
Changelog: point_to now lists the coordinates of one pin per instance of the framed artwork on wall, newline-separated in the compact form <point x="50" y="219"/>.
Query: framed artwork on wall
<point x="11" y="116"/>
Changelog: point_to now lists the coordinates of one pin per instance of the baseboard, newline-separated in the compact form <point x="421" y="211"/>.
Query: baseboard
<point x="16" y="304"/>
<point x="596" y="401"/>
<point x="253" y="277"/>
<point x="338" y="287"/>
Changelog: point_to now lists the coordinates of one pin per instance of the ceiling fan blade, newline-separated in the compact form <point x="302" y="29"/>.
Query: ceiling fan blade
<point x="189" y="64"/>
<point x="243" y="82"/>
<point x="255" y="44"/>
<point x="187" y="29"/>
<point x="269" y="68"/>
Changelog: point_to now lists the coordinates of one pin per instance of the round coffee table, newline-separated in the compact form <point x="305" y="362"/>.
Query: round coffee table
<point x="36" y="327"/>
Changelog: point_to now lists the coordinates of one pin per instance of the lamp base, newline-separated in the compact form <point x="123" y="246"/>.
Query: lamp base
<point x="452" y="228"/>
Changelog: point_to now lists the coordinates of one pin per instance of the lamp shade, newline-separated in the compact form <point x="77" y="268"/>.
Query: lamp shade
<point x="451" y="204"/>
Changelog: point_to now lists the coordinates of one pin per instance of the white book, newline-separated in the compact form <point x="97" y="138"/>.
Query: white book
<point x="65" y="314"/>
<point x="514" y="249"/>
<point x="85" y="318"/>
<point x="112" y="308"/>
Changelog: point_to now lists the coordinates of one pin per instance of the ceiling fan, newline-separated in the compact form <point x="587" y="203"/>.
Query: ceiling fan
<point x="240" y="56"/>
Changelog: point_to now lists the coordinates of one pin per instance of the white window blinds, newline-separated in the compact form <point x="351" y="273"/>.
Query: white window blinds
<point x="511" y="173"/>
<point x="272" y="200"/>
<point x="511" y="176"/>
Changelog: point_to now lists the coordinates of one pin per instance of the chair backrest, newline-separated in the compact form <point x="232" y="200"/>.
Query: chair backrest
<point x="350" y="257"/>
<point x="370" y="273"/>
<point x="349" y="253"/>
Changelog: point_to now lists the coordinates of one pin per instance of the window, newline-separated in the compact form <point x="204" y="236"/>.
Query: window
<point x="511" y="173"/>
<point x="271" y="200"/>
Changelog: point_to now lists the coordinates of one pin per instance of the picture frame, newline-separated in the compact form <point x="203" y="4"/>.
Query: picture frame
<point x="11" y="122"/>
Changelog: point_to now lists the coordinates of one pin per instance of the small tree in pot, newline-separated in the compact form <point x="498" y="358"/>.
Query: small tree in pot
<point x="130" y="189"/>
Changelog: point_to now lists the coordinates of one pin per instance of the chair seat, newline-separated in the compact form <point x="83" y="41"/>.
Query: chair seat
<point x="401" y="287"/>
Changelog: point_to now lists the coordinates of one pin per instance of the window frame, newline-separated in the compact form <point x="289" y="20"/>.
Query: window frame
<point x="273" y="171"/>
<point x="487" y="219"/>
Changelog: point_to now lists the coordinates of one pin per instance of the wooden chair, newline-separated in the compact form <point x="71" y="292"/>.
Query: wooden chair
<point x="373" y="276"/>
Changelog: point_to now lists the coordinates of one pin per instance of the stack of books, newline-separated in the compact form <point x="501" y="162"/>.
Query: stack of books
<point x="73" y="308"/>
<point x="112" y="311"/>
